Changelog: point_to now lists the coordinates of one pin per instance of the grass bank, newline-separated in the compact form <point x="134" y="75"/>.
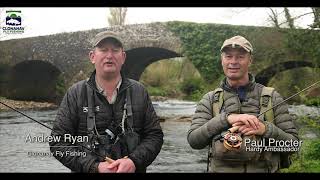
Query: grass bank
<point x="307" y="160"/>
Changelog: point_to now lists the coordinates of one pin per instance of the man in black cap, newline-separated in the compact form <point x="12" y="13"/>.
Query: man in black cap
<point x="113" y="115"/>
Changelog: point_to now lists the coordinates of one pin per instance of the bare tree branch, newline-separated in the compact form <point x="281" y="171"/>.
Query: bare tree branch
<point x="273" y="17"/>
<point x="289" y="19"/>
<point x="297" y="17"/>
<point x="316" y="20"/>
<point x="117" y="16"/>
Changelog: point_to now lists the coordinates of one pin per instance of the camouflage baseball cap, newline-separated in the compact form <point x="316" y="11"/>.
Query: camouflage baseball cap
<point x="106" y="34"/>
<point x="238" y="40"/>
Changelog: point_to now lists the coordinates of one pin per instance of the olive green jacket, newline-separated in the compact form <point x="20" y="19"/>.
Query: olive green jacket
<point x="205" y="125"/>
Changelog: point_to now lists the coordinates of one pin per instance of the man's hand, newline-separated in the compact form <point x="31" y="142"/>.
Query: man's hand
<point x="249" y="130"/>
<point x="123" y="165"/>
<point x="103" y="167"/>
<point x="244" y="119"/>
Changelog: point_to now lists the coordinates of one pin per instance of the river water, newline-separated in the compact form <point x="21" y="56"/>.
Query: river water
<point x="17" y="155"/>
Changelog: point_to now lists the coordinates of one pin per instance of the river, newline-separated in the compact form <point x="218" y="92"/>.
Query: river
<point x="176" y="155"/>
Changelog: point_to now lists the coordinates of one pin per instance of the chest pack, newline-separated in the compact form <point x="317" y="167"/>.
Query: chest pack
<point x="218" y="149"/>
<point x="110" y="144"/>
<point x="265" y="102"/>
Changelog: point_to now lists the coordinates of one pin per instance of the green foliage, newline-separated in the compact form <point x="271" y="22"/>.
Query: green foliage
<point x="304" y="44"/>
<point x="312" y="101"/>
<point x="196" y="95"/>
<point x="60" y="87"/>
<point x="201" y="44"/>
<point x="176" y="78"/>
<point x="314" y="149"/>
<point x="193" y="88"/>
<point x="308" y="160"/>
<point x="196" y="42"/>
<point x="163" y="78"/>
<point x="189" y="86"/>
<point x="156" y="91"/>
<point x="162" y="73"/>
<point x="289" y="82"/>
<point x="310" y="123"/>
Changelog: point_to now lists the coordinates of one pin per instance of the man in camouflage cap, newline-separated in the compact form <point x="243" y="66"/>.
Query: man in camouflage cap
<point x="114" y="111"/>
<point x="226" y="118"/>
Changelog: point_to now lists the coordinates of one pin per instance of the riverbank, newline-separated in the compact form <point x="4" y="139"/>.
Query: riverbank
<point x="25" y="105"/>
<point x="33" y="105"/>
<point x="177" y="118"/>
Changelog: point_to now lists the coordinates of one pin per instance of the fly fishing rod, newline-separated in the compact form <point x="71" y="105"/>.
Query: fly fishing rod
<point x="288" y="98"/>
<point x="109" y="160"/>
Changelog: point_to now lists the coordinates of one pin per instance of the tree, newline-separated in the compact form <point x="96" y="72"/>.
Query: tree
<point x="301" y="44"/>
<point x="117" y="16"/>
<point x="288" y="18"/>
<point x="275" y="17"/>
<point x="316" y="20"/>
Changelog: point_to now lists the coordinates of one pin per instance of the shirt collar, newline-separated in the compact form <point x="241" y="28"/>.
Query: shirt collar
<point x="101" y="90"/>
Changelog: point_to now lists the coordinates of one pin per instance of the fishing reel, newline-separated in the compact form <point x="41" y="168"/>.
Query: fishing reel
<point x="232" y="140"/>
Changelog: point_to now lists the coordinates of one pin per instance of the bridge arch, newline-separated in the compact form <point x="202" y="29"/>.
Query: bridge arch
<point x="139" y="58"/>
<point x="33" y="80"/>
<point x="264" y="76"/>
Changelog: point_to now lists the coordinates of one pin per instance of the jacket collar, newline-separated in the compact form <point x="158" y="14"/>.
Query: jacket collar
<point x="124" y="84"/>
<point x="250" y="86"/>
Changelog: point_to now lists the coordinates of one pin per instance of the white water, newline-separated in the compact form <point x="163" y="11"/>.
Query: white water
<point x="171" y="108"/>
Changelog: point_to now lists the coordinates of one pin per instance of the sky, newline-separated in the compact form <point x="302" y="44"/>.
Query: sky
<point x="45" y="21"/>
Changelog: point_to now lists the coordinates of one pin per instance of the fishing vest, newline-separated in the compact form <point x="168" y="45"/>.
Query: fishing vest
<point x="218" y="151"/>
<point x="109" y="144"/>
<point x="265" y="102"/>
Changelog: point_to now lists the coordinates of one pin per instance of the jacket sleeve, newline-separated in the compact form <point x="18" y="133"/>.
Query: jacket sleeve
<point x="283" y="127"/>
<point x="66" y="123"/>
<point x="151" y="136"/>
<point x="204" y="125"/>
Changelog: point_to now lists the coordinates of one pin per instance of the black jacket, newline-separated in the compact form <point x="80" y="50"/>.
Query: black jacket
<point x="71" y="119"/>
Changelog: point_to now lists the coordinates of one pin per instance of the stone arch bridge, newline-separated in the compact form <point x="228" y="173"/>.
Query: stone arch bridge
<point x="30" y="68"/>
